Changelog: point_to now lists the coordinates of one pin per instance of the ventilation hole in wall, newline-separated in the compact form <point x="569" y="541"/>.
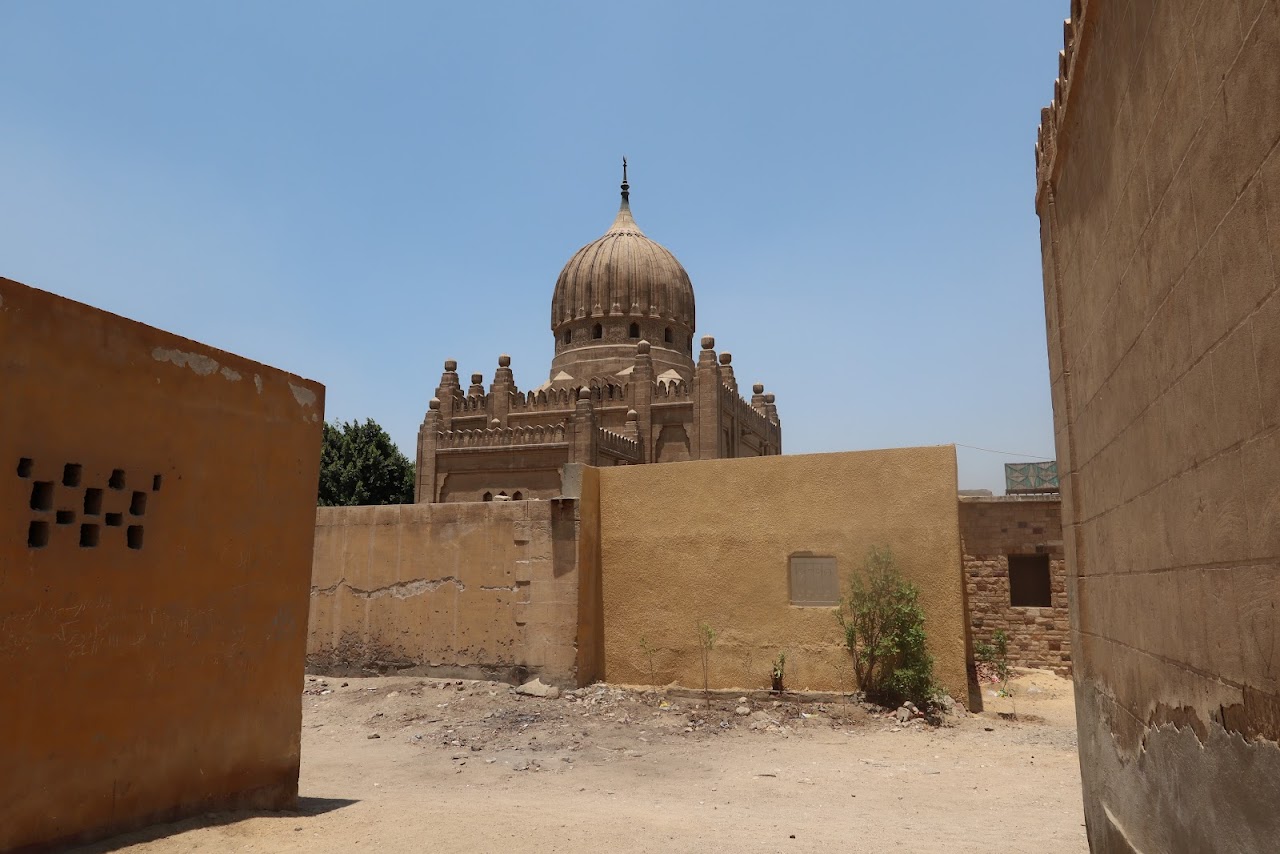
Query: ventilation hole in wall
<point x="89" y="536"/>
<point x="115" y="520"/>
<point x="92" y="501"/>
<point x="71" y="474"/>
<point x="138" y="506"/>
<point x="24" y="467"/>
<point x="134" y="536"/>
<point x="42" y="495"/>
<point x="155" y="483"/>
<point x="117" y="479"/>
<point x="38" y="535"/>
<point x="66" y="517"/>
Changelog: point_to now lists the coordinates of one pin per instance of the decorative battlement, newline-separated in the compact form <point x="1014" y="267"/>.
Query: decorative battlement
<point x="672" y="390"/>
<point x="618" y="445"/>
<point x="1053" y="117"/>
<point x="746" y="414"/>
<point x="501" y="437"/>
<point x="552" y="399"/>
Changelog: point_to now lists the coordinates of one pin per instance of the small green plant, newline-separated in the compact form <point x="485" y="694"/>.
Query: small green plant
<point x="649" y="651"/>
<point x="707" y="642"/>
<point x="779" y="670"/>
<point x="883" y="627"/>
<point x="995" y="656"/>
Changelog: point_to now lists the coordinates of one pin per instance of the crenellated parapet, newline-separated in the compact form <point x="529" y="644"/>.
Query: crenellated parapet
<point x="619" y="446"/>
<point x="1053" y="118"/>
<point x="500" y="437"/>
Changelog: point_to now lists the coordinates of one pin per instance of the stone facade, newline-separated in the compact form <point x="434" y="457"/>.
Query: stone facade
<point x="159" y="498"/>
<point x="624" y="388"/>
<point x="1158" y="191"/>
<point x="1030" y="530"/>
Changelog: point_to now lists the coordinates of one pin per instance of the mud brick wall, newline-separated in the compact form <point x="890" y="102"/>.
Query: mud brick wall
<point x="1158" y="190"/>
<point x="479" y="589"/>
<point x="991" y="529"/>
<point x="158" y="504"/>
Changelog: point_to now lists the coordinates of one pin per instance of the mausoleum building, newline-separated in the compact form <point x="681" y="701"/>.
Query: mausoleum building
<point x="624" y="387"/>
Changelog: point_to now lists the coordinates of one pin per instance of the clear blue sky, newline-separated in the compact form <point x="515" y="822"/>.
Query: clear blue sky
<point x="357" y="191"/>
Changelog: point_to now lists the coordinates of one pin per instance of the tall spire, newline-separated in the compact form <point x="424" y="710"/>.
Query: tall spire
<point x="624" y="222"/>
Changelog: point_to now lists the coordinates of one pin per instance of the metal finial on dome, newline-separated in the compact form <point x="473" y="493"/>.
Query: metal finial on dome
<point x="624" y="222"/>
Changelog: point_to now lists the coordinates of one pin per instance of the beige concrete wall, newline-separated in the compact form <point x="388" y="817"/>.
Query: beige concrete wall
<point x="1159" y="200"/>
<point x="158" y="498"/>
<point x="710" y="541"/>
<point x="485" y="589"/>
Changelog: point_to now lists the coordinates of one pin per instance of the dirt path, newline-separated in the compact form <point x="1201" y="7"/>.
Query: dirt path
<point x="473" y="767"/>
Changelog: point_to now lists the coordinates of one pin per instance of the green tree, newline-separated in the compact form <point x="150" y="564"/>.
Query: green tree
<point x="359" y="464"/>
<point x="883" y="627"/>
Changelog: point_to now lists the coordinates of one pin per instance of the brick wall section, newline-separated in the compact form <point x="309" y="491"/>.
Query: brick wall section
<point x="991" y="529"/>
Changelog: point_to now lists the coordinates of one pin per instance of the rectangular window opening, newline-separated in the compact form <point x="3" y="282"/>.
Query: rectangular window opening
<point x="66" y="517"/>
<point x="134" y="535"/>
<point x="71" y="474"/>
<point x="93" y="502"/>
<point x="42" y="495"/>
<point x="1029" y="583"/>
<point x="89" y="536"/>
<point x="38" y="535"/>
<point x="25" y="465"/>
<point x="138" y="505"/>
<point x="115" y="520"/>
<point x="116" y="481"/>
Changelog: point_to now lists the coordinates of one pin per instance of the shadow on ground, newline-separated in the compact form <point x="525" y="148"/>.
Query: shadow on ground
<point x="306" y="807"/>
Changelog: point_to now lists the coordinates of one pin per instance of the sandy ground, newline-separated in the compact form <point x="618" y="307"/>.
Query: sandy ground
<point x="471" y="766"/>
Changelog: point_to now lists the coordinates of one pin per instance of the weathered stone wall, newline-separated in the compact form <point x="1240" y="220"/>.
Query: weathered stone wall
<point x="711" y="540"/>
<point x="991" y="529"/>
<point x="158" y="498"/>
<point x="487" y="590"/>
<point x="1159" y="201"/>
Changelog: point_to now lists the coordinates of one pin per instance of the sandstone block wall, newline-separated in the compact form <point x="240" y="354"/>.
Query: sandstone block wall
<point x="1159" y="201"/>
<point x="158" y="502"/>
<point x="991" y="529"/>
<point x="710" y="541"/>
<point x="483" y="589"/>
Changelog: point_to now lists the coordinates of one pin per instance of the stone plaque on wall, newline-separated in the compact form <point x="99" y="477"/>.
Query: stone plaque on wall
<point x="814" y="581"/>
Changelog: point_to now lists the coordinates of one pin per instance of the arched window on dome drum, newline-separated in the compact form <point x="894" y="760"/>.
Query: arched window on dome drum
<point x="517" y="496"/>
<point x="568" y="336"/>
<point x="597" y="331"/>
<point x="634" y="331"/>
<point x="666" y="335"/>
<point x="488" y="496"/>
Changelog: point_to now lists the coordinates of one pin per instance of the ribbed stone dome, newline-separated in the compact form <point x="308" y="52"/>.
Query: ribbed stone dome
<point x="623" y="274"/>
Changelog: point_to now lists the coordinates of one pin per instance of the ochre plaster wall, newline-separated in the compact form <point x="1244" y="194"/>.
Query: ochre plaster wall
<point x="992" y="529"/>
<point x="1159" y="202"/>
<point x="145" y="684"/>
<point x="709" y="541"/>
<point x="484" y="588"/>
